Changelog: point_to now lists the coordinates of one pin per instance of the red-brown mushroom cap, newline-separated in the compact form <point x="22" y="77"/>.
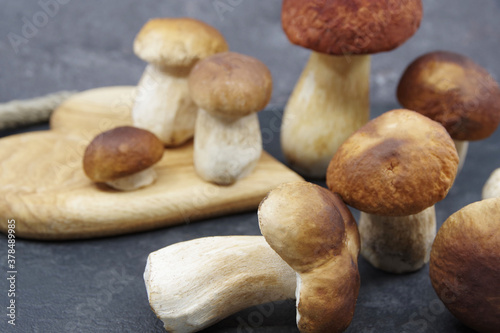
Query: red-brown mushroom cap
<point x="398" y="164"/>
<point x="465" y="265"/>
<point x="341" y="27"/>
<point x="121" y="152"/>
<point x="454" y="91"/>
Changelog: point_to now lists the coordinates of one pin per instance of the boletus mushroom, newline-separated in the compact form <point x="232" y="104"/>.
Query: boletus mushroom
<point x="123" y="158"/>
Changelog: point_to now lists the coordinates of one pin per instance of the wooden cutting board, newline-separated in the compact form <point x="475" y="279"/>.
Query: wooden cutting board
<point x="43" y="186"/>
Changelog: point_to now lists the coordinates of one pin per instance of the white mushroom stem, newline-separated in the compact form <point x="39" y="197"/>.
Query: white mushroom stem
<point x="462" y="147"/>
<point x="398" y="244"/>
<point x="226" y="149"/>
<point x="491" y="188"/>
<point x="192" y="285"/>
<point x="133" y="182"/>
<point x="163" y="105"/>
<point x="329" y="103"/>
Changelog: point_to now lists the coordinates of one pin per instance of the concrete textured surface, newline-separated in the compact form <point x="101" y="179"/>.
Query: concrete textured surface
<point x="96" y="285"/>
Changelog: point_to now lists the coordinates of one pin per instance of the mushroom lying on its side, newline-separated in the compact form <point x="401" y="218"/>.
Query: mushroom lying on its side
<point x="123" y="158"/>
<point x="465" y="265"/>
<point x="393" y="169"/>
<point x="171" y="46"/>
<point x="229" y="88"/>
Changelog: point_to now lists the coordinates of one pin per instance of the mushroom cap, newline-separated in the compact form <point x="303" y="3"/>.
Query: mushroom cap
<point x="454" y="91"/>
<point x="230" y="84"/>
<point x="465" y="265"/>
<point x="399" y="163"/>
<point x="314" y="232"/>
<point x="341" y="27"/>
<point x="177" y="42"/>
<point x="121" y="152"/>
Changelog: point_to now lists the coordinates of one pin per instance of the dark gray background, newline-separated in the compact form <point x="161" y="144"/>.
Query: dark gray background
<point x="96" y="285"/>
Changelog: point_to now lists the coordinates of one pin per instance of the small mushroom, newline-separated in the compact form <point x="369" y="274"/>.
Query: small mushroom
<point x="313" y="231"/>
<point x="393" y="169"/>
<point x="229" y="88"/>
<point x="171" y="46"/>
<point x="331" y="99"/>
<point x="491" y="188"/>
<point x="454" y="91"/>
<point x="465" y="265"/>
<point x="123" y="158"/>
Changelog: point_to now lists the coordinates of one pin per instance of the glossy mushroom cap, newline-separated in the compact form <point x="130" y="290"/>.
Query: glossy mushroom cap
<point x="121" y="152"/>
<point x="314" y="232"/>
<point x="340" y="27"/>
<point x="465" y="265"/>
<point x="454" y="91"/>
<point x="172" y="42"/>
<point x="230" y="84"/>
<point x="398" y="164"/>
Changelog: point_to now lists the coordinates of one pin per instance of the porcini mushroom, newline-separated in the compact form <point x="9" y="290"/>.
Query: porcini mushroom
<point x="229" y="88"/>
<point x="398" y="165"/>
<point x="331" y="99"/>
<point x="123" y="158"/>
<point x="465" y="265"/>
<point x="313" y="231"/>
<point x="171" y="46"/>
<point x="454" y="91"/>
<point x="193" y="284"/>
<point x="491" y="188"/>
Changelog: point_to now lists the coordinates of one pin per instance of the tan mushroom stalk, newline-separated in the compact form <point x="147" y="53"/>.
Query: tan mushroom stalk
<point x="454" y="91"/>
<point x="465" y="265"/>
<point x="491" y="188"/>
<point x="123" y="158"/>
<point x="394" y="169"/>
<point x="313" y="231"/>
<point x="192" y="285"/>
<point x="229" y="88"/>
<point x="331" y="99"/>
<point x="171" y="46"/>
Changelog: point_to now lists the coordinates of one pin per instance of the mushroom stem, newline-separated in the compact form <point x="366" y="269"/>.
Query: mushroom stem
<point x="192" y="285"/>
<point x="462" y="147"/>
<point x="398" y="244"/>
<point x="329" y="103"/>
<point x="226" y="148"/>
<point x="133" y="182"/>
<point x="163" y="105"/>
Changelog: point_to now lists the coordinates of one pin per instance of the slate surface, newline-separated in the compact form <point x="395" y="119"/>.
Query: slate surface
<point x="96" y="285"/>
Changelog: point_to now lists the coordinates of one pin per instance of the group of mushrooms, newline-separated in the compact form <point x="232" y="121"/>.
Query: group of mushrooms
<point x="393" y="168"/>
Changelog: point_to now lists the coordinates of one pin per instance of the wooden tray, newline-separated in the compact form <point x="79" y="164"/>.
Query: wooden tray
<point x="43" y="187"/>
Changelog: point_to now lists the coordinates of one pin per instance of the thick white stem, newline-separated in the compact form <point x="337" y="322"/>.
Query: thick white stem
<point x="163" y="105"/>
<point x="192" y="285"/>
<point x="398" y="244"/>
<point x="491" y="188"/>
<point x="330" y="101"/>
<point x="462" y="147"/>
<point x="133" y="182"/>
<point x="226" y="150"/>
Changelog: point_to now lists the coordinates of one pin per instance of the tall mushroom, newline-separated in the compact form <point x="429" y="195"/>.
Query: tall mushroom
<point x="331" y="99"/>
<point x="313" y="231"/>
<point x="229" y="88"/>
<point x="454" y="91"/>
<point x="393" y="169"/>
<point x="171" y="46"/>
<point x="123" y="158"/>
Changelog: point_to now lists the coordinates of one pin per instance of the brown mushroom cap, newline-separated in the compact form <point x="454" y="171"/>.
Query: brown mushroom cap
<point x="121" y="152"/>
<point x="173" y="42"/>
<point x="465" y="265"/>
<point x="230" y="84"/>
<point x="314" y="232"/>
<point x="454" y="91"/>
<point x="397" y="164"/>
<point x="341" y="27"/>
